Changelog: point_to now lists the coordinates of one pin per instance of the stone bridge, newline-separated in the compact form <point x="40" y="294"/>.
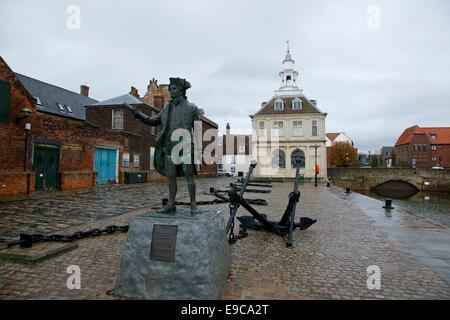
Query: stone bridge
<point x="369" y="178"/>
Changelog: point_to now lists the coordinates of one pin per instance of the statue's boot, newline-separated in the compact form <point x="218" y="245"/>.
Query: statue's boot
<point x="169" y="207"/>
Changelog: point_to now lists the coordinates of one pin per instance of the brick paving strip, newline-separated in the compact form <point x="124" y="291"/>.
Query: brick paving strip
<point x="328" y="261"/>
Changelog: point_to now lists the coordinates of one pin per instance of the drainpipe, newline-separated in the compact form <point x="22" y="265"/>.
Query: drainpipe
<point x="25" y="167"/>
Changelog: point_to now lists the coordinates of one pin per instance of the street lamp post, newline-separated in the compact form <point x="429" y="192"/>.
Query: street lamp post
<point x="315" y="165"/>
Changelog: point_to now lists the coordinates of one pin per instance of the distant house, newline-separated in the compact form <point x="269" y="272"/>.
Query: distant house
<point x="386" y="156"/>
<point x="423" y="147"/>
<point x="137" y="161"/>
<point x="332" y="138"/>
<point x="236" y="152"/>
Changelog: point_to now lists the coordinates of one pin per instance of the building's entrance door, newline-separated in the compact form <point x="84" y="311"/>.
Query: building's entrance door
<point x="105" y="164"/>
<point x="46" y="166"/>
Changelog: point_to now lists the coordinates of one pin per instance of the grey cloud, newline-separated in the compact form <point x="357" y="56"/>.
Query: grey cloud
<point x="372" y="83"/>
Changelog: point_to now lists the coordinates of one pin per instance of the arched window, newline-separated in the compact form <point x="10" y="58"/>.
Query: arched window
<point x="288" y="80"/>
<point x="278" y="159"/>
<point x="297" y="156"/>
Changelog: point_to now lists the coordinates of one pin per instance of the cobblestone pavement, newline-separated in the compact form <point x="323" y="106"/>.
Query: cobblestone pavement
<point x="328" y="261"/>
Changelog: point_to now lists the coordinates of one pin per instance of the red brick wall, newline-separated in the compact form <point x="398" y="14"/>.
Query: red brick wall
<point x="13" y="179"/>
<point x="443" y="154"/>
<point x="12" y="134"/>
<point x="15" y="183"/>
<point x="76" y="179"/>
<point x="208" y="170"/>
<point x="423" y="158"/>
<point x="139" y="135"/>
<point x="78" y="140"/>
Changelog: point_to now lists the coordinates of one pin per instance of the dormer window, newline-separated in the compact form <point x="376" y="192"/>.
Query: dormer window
<point x="61" y="107"/>
<point x="38" y="101"/>
<point x="69" y="109"/>
<point x="297" y="104"/>
<point x="279" y="105"/>
<point x="433" y="137"/>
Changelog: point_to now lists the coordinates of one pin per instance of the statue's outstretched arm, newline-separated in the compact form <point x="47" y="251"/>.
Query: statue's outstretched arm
<point x="151" y="121"/>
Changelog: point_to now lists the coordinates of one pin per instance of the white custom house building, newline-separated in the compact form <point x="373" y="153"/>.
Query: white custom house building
<point x="286" y="128"/>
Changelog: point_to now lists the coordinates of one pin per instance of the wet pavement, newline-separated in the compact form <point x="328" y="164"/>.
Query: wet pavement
<point x="328" y="261"/>
<point x="425" y="239"/>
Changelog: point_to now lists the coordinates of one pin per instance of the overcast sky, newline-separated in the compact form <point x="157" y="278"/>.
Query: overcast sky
<point x="374" y="77"/>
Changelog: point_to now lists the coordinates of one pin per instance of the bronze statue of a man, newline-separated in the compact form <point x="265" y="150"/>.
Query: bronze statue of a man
<point x="178" y="114"/>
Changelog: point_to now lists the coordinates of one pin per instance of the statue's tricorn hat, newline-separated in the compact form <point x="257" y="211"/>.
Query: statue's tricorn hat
<point x="181" y="83"/>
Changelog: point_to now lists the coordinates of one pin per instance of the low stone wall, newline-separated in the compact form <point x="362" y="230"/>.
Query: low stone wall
<point x="368" y="178"/>
<point x="70" y="180"/>
<point x="15" y="183"/>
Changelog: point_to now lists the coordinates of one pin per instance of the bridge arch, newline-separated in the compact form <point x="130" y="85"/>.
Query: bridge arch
<point x="396" y="188"/>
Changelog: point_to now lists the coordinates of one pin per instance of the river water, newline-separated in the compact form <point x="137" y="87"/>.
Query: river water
<point x="429" y="205"/>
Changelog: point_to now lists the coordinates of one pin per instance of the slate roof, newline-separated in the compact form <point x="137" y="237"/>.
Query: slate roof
<point x="307" y="107"/>
<point x="442" y="135"/>
<point x="126" y="98"/>
<point x="49" y="95"/>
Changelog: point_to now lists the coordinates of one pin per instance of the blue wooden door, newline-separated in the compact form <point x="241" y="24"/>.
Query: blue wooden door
<point x="105" y="164"/>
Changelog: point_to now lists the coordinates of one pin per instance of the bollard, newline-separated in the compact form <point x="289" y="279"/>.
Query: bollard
<point x="347" y="190"/>
<point x="388" y="204"/>
<point x="211" y="190"/>
<point x="26" y="241"/>
<point x="328" y="183"/>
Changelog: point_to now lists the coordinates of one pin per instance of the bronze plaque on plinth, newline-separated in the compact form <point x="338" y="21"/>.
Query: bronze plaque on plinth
<point x="164" y="240"/>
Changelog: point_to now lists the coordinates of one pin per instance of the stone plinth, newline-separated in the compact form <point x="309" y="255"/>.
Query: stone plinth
<point x="191" y="263"/>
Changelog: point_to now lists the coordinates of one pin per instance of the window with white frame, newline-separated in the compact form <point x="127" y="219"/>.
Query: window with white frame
<point x="433" y="137"/>
<point x="297" y="128"/>
<point x="434" y="148"/>
<point x="117" y="119"/>
<point x="279" y="105"/>
<point x="278" y="129"/>
<point x="314" y="128"/>
<point x="242" y="148"/>
<point x="125" y="159"/>
<point x="152" y="158"/>
<point x="296" y="104"/>
<point x="261" y="131"/>
<point x="136" y="160"/>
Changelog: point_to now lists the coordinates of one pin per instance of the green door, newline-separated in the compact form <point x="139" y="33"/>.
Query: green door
<point x="45" y="164"/>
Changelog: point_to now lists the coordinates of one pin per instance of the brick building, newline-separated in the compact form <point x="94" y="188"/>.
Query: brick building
<point x="423" y="148"/>
<point x="137" y="162"/>
<point x="45" y="144"/>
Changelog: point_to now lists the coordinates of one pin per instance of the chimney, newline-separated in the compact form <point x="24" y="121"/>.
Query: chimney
<point x="228" y="128"/>
<point x="84" y="90"/>
<point x="134" y="92"/>
<point x="314" y="102"/>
